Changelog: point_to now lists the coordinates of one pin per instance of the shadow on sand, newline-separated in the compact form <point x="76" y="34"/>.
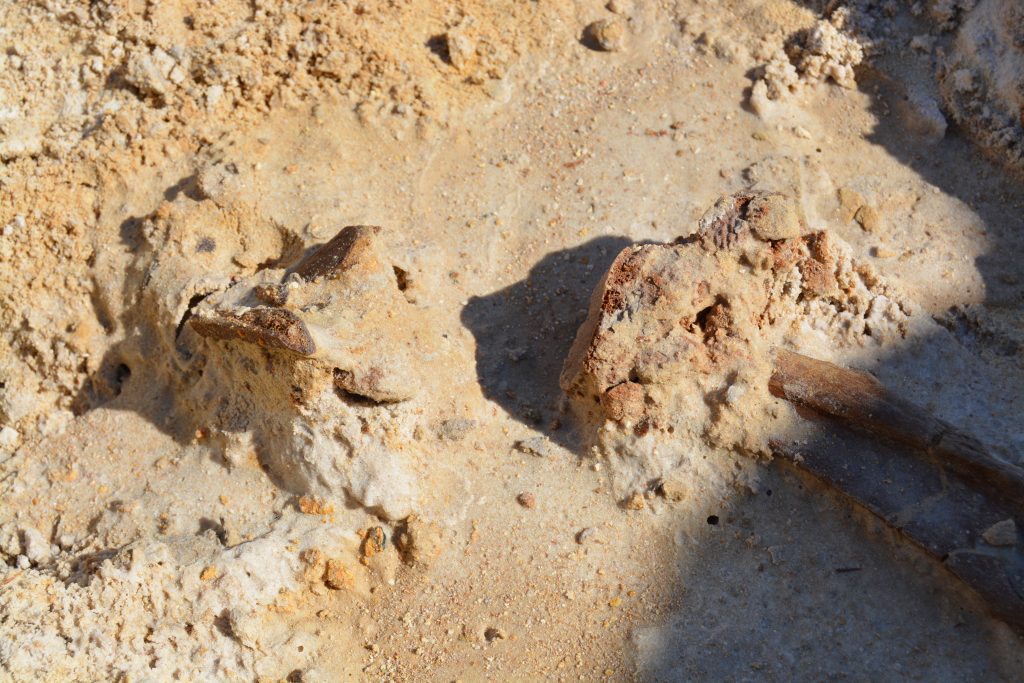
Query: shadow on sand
<point x="524" y="332"/>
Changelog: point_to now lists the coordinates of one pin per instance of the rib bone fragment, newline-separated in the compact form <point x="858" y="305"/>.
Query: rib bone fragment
<point x="861" y="401"/>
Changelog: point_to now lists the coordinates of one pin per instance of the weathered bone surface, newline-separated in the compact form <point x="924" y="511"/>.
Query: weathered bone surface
<point x="680" y="353"/>
<point x="326" y="354"/>
<point x="673" y="357"/>
<point x="338" y="305"/>
<point x="235" y="365"/>
<point x="305" y="364"/>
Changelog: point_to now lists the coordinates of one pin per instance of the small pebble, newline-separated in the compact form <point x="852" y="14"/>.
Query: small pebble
<point x="850" y="202"/>
<point x="1001" y="534"/>
<point x="636" y="502"/>
<point x="869" y="218"/>
<point x="455" y="429"/>
<point x="607" y="35"/>
<point x="537" y="445"/>
<point x="338" y="576"/>
<point x="35" y="546"/>
<point x="584" y="535"/>
<point x="527" y="500"/>
<point x="9" y="438"/>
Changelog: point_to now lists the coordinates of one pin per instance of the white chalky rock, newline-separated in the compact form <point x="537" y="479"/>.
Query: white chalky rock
<point x="35" y="546"/>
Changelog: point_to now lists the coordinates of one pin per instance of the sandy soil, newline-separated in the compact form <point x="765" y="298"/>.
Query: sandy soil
<point x="417" y="498"/>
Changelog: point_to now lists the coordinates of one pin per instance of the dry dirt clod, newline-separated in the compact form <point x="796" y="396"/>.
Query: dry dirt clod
<point x="675" y="487"/>
<point x="869" y="218"/>
<point x="35" y="546"/>
<point x="9" y="438"/>
<point x="635" y="502"/>
<point x="315" y="505"/>
<point x="313" y="559"/>
<point x="774" y="216"/>
<point x="850" y="202"/>
<point x="417" y="541"/>
<point x="337" y="576"/>
<point x="607" y="35"/>
<point x="527" y="500"/>
<point x="584" y="535"/>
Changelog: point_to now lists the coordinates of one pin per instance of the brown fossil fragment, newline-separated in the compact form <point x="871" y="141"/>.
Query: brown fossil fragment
<point x="269" y="327"/>
<point x="353" y="246"/>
